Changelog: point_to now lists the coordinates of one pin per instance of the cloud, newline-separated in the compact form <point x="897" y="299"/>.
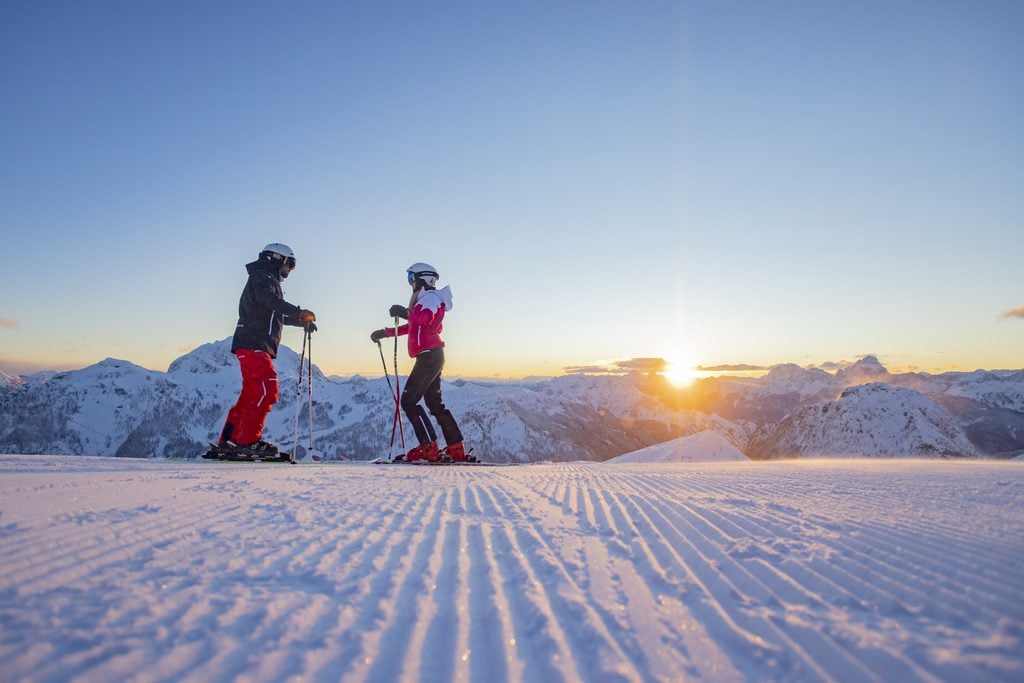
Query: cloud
<point x="737" y="367"/>
<point x="8" y="323"/>
<point x="585" y="370"/>
<point x="1017" y="312"/>
<point x="619" y="367"/>
<point x="832" y="365"/>
<point x="642" y="365"/>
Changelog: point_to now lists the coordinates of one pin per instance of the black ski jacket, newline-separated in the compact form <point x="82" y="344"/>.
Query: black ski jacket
<point x="262" y="310"/>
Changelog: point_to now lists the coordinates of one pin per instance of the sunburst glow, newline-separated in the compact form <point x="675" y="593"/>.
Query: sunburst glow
<point x="681" y="373"/>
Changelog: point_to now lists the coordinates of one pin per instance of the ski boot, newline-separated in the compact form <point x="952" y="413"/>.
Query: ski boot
<point x="216" y="451"/>
<point x="259" y="450"/>
<point x="456" y="452"/>
<point x="425" y="451"/>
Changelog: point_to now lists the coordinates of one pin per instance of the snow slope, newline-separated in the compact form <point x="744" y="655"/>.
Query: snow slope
<point x="147" y="570"/>
<point x="706" y="446"/>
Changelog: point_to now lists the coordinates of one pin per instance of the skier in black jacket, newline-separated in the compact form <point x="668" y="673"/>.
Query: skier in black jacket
<point x="262" y="314"/>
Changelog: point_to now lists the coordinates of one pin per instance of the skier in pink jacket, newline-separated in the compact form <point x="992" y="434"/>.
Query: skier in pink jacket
<point x="425" y="315"/>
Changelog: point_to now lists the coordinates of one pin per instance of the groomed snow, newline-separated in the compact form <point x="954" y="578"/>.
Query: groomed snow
<point x="851" y="570"/>
<point x="706" y="446"/>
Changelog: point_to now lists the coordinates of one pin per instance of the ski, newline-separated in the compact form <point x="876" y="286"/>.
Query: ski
<point x="217" y="452"/>
<point x="441" y="463"/>
<point x="443" y="459"/>
<point x="318" y="459"/>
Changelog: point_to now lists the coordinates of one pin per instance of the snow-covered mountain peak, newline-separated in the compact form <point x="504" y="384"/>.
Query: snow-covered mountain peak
<point x="108" y="369"/>
<point x="287" y="364"/>
<point x="867" y="369"/>
<point x="871" y="364"/>
<point x="8" y="381"/>
<point x="215" y="358"/>
<point x="111" y="364"/>
<point x="868" y="391"/>
<point x="208" y="358"/>
<point x="880" y="393"/>
<point x="785" y="372"/>
<point x="791" y="372"/>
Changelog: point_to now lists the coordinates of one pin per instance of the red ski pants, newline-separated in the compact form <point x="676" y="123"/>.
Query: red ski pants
<point x="259" y="394"/>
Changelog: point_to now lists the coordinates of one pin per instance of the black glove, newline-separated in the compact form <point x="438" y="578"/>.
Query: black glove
<point x="377" y="335"/>
<point x="310" y="327"/>
<point x="398" y="311"/>
<point x="306" y="316"/>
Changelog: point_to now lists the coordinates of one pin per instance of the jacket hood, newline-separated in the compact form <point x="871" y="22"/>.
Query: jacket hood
<point x="263" y="264"/>
<point x="433" y="298"/>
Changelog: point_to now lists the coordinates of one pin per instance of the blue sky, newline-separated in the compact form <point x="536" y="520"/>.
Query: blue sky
<point x="710" y="182"/>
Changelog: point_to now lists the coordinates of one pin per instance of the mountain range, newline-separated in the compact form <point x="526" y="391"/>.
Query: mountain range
<point x="117" y="408"/>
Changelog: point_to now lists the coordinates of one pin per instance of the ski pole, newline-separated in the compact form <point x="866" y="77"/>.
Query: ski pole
<point x="387" y="373"/>
<point x="394" y="416"/>
<point x="309" y="382"/>
<point x="391" y="390"/>
<point x="398" y="390"/>
<point x="298" y="398"/>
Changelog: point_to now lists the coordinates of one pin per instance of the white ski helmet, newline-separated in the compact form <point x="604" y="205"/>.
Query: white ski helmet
<point x="422" y="271"/>
<point x="282" y="250"/>
<point x="282" y="255"/>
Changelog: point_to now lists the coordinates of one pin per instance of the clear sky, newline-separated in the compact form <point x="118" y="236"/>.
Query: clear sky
<point x="715" y="183"/>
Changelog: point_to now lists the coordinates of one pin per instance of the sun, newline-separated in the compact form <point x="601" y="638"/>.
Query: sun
<point x="680" y="373"/>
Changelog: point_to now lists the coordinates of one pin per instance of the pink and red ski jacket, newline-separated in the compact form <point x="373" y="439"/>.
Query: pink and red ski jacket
<point x="425" y="318"/>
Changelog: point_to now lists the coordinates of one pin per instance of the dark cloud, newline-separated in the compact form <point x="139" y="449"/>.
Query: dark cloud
<point x="8" y="323"/>
<point x="738" y="367"/>
<point x="1017" y="312"/>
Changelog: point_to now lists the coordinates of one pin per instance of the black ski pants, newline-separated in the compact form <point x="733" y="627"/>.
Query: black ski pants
<point x="425" y="383"/>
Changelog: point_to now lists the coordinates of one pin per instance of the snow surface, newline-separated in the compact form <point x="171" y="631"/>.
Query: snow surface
<point x="806" y="570"/>
<point x="706" y="446"/>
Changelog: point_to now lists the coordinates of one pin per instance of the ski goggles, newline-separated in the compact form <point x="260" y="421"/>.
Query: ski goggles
<point x="426" y="273"/>
<point x="289" y="262"/>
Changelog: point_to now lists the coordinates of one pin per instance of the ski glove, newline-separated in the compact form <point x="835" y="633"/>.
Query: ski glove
<point x="306" y="317"/>
<point x="397" y="311"/>
<point x="377" y="335"/>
